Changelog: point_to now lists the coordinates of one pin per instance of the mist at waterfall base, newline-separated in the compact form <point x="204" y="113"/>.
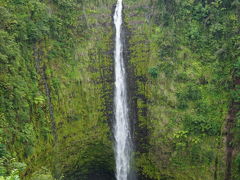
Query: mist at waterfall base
<point x="122" y="134"/>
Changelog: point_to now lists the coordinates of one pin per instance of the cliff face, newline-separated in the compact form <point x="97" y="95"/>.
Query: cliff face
<point x="181" y="87"/>
<point x="56" y="88"/>
<point x="85" y="104"/>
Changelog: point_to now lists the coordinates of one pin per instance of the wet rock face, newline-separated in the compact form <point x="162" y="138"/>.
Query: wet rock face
<point x="102" y="174"/>
<point x="139" y="132"/>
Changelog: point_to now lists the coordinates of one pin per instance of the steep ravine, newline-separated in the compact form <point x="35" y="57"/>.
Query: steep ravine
<point x="182" y="61"/>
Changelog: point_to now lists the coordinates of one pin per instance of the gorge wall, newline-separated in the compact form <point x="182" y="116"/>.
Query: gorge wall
<point x="182" y="66"/>
<point x="56" y="88"/>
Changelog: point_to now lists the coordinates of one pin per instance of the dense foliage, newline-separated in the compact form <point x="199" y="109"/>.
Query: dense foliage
<point x="185" y="56"/>
<point x="56" y="85"/>
<point x="53" y="87"/>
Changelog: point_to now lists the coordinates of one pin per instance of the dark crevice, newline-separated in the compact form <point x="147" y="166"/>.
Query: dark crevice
<point x="41" y="70"/>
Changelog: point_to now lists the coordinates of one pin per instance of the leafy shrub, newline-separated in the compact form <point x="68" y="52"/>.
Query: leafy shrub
<point x="153" y="72"/>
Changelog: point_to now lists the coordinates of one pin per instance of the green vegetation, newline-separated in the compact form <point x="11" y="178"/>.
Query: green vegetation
<point x="185" y="55"/>
<point x="56" y="84"/>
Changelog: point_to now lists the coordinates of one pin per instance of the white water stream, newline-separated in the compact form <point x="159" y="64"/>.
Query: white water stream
<point x="123" y="144"/>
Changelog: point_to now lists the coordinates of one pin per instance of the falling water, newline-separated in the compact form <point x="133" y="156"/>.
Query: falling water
<point x="121" y="128"/>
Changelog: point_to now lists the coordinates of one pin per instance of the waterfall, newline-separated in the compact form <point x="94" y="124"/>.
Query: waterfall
<point x="122" y="134"/>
